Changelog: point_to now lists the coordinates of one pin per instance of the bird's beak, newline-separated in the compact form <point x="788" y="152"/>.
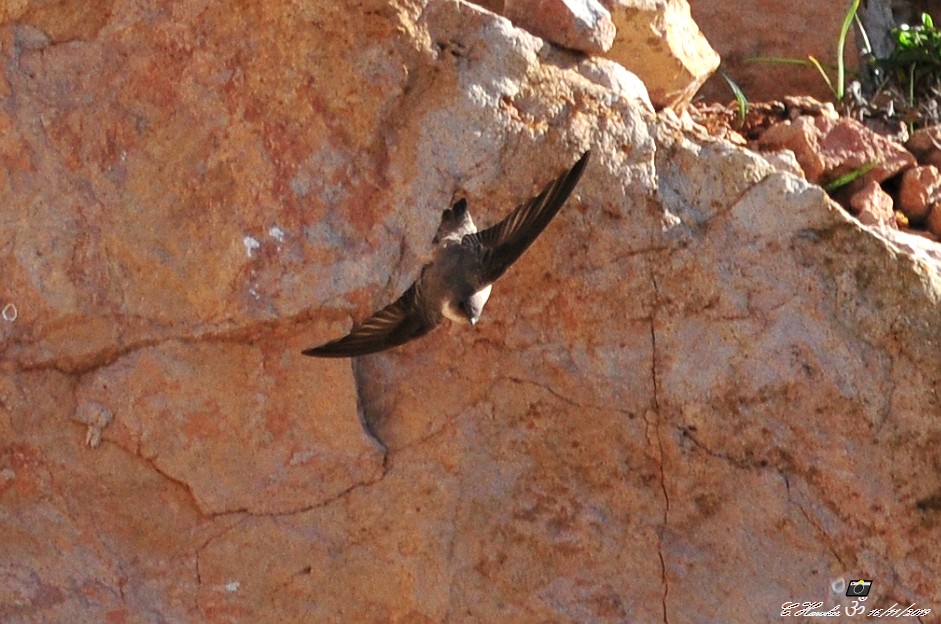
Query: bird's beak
<point x="473" y="320"/>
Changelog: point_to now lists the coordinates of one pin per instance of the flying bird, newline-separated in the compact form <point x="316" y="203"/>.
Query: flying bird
<point x="456" y="283"/>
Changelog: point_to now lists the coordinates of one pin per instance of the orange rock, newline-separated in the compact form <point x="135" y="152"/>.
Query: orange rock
<point x="828" y="148"/>
<point x="925" y="144"/>
<point x="933" y="222"/>
<point x="919" y="190"/>
<point x="873" y="206"/>
<point x="696" y="395"/>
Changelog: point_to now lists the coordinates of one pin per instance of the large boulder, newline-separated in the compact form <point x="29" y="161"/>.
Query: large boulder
<point x="660" y="42"/>
<point x="703" y="393"/>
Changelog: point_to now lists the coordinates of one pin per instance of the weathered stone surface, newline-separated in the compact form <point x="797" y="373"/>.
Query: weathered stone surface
<point x="829" y="148"/>
<point x="659" y="41"/>
<point x="575" y="24"/>
<point x="873" y="206"/>
<point x="58" y="21"/>
<point x="621" y="84"/>
<point x="919" y="190"/>
<point x="703" y="375"/>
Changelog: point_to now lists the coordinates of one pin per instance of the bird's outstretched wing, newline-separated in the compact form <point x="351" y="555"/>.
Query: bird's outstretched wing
<point x="395" y="324"/>
<point x="506" y="241"/>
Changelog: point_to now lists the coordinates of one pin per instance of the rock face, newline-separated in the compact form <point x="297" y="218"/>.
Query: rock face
<point x="703" y="375"/>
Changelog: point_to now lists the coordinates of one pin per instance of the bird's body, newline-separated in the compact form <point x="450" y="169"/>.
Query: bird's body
<point x="456" y="283"/>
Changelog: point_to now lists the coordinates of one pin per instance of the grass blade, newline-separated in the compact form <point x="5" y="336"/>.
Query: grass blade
<point x="740" y="98"/>
<point x="840" y="45"/>
<point x="852" y="176"/>
<point x="823" y="73"/>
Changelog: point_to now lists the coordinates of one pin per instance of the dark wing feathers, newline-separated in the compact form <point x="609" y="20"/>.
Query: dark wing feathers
<point x="502" y="244"/>
<point x="506" y="241"/>
<point x="391" y="326"/>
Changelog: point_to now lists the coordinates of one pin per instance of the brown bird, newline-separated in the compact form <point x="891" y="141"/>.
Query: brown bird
<point x="456" y="283"/>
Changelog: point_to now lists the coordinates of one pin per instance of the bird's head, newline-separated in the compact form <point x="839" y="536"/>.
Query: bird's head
<point x="467" y="310"/>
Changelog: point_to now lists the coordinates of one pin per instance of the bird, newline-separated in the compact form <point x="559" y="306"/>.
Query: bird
<point x="456" y="283"/>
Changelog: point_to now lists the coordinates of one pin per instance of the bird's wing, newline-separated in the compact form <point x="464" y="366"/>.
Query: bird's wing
<point x="506" y="241"/>
<point x="395" y="324"/>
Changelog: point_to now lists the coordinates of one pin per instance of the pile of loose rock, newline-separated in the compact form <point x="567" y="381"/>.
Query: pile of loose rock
<point x="887" y="181"/>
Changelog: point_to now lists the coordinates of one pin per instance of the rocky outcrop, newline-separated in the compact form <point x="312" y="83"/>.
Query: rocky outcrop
<point x="705" y="379"/>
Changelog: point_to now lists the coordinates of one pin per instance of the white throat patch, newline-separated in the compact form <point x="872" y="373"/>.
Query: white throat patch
<point x="476" y="302"/>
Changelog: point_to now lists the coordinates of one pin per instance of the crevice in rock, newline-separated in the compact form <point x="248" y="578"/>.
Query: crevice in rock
<point x="199" y="577"/>
<point x="815" y="524"/>
<point x="205" y="512"/>
<point x="745" y="464"/>
<point x="197" y="560"/>
<point x="366" y="420"/>
<point x="340" y="495"/>
<point x="89" y="363"/>
<point x="555" y="393"/>
<point x="655" y="382"/>
<point x="633" y="253"/>
<point x="552" y="391"/>
<point x="152" y="463"/>
<point x="655" y="442"/>
<point x="742" y="464"/>
<point x="434" y="433"/>
<point x="122" y="582"/>
<point x="249" y="513"/>
<point x="156" y="335"/>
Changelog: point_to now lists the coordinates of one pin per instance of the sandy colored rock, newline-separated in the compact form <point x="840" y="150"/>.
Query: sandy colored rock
<point x="704" y="374"/>
<point x="659" y="41"/>
<point x="828" y="149"/>
<point x="582" y="25"/>
<point x="873" y="206"/>
<point x="919" y="190"/>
